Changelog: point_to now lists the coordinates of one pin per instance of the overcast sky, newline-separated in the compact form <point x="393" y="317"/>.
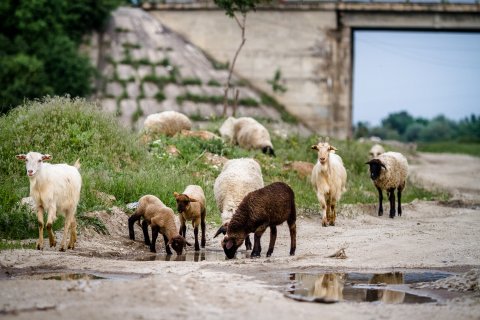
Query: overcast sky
<point x="424" y="73"/>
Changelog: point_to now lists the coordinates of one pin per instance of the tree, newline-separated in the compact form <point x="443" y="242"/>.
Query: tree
<point x="238" y="10"/>
<point x="398" y="121"/>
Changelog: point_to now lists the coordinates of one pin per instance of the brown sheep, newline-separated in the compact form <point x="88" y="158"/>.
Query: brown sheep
<point x="260" y="209"/>
<point x="191" y="206"/>
<point x="161" y="219"/>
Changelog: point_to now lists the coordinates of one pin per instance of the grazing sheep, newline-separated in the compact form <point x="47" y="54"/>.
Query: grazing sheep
<point x="167" y="122"/>
<point x="248" y="133"/>
<point x="191" y="206"/>
<point x="329" y="179"/>
<point x="238" y="178"/>
<point x="393" y="176"/>
<point x="55" y="188"/>
<point x="161" y="219"/>
<point x="375" y="151"/>
<point x="260" y="209"/>
<point x="202" y="134"/>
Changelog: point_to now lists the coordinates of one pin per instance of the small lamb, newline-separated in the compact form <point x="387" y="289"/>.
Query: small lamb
<point x="55" y="188"/>
<point x="167" y="122"/>
<point x="238" y="178"/>
<point x="161" y="219"/>
<point x="260" y="209"/>
<point x="191" y="206"/>
<point x="329" y="179"/>
<point x="389" y="172"/>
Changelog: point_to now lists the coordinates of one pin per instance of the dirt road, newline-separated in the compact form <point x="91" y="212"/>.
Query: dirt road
<point x="428" y="236"/>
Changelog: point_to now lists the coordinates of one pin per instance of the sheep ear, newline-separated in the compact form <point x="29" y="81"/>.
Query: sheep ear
<point x="192" y="200"/>
<point x="176" y="194"/>
<point x="315" y="147"/>
<point x="21" y="157"/>
<point x="46" y="157"/>
<point x="383" y="166"/>
<point x="188" y="243"/>
<point x="229" y="244"/>
<point x="222" y="229"/>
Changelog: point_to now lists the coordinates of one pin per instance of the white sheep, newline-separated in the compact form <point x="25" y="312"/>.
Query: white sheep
<point x="376" y="150"/>
<point x="191" y="206"/>
<point x="167" y="122"/>
<point x="238" y="178"/>
<point x="329" y="179"/>
<point x="55" y="188"/>
<point x="389" y="172"/>
<point x="248" y="133"/>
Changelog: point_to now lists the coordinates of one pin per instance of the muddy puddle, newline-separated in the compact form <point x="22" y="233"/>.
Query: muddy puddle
<point x="195" y="256"/>
<point x="389" y="288"/>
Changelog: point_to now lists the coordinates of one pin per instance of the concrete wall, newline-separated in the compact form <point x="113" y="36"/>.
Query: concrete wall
<point x="311" y="45"/>
<point x="300" y="44"/>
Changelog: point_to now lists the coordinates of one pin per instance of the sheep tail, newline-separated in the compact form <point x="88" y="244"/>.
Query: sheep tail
<point x="77" y="164"/>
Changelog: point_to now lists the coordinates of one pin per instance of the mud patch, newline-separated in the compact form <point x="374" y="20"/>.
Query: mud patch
<point x="388" y="288"/>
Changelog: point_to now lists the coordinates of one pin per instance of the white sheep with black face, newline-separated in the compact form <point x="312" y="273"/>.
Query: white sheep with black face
<point x="55" y="189"/>
<point x="248" y="133"/>
<point x="389" y="172"/>
<point x="329" y="179"/>
<point x="238" y="178"/>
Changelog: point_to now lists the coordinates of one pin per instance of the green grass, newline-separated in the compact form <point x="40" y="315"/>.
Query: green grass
<point x="470" y="148"/>
<point x="115" y="162"/>
<point x="191" y="81"/>
<point x="15" y="244"/>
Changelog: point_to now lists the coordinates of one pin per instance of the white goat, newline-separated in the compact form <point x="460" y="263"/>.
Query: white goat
<point x="329" y="179"/>
<point x="55" y="188"/>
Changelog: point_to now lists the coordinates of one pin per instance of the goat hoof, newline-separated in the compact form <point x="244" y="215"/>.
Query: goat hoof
<point x="39" y="247"/>
<point x="62" y="249"/>
<point x="53" y="244"/>
<point x="332" y="223"/>
<point x="380" y="214"/>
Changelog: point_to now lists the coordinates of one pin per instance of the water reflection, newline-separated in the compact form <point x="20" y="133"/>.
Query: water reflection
<point x="334" y="287"/>
<point x="195" y="256"/>
<point x="73" y="276"/>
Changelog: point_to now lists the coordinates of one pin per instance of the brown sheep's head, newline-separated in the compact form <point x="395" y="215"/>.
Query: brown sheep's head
<point x="375" y="168"/>
<point x="230" y="245"/>
<point x="323" y="149"/>
<point x="183" y="202"/>
<point x="222" y="229"/>
<point x="177" y="243"/>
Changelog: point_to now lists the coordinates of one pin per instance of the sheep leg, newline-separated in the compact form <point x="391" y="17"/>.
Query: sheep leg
<point x="292" y="226"/>
<point x="155" y="230"/>
<point x="380" y="200"/>
<point x="131" y="221"/>
<point x="40" y="228"/>
<point x="202" y="224"/>
<point x="52" y="212"/>
<point x="257" y="248"/>
<point x="248" y="244"/>
<point x="167" y="247"/>
<point x="145" y="232"/>
<point x="195" y="232"/>
<point x="73" y="234"/>
<point x="399" y="194"/>
<point x="391" y="197"/>
<point x="273" y="238"/>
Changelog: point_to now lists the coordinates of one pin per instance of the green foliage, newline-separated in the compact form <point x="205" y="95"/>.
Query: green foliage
<point x="275" y="82"/>
<point x="402" y="126"/>
<point x="470" y="148"/>
<point x="191" y="81"/>
<point x="12" y="244"/>
<point x="116" y="163"/>
<point x="39" y="47"/>
<point x="242" y="6"/>
<point x="213" y="83"/>
<point x="272" y="102"/>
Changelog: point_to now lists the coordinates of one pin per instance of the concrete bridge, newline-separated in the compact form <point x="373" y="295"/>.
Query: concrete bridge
<point x="310" y="43"/>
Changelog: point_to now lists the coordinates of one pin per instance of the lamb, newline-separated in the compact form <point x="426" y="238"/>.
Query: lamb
<point x="191" y="206"/>
<point x="393" y="176"/>
<point x="248" y="133"/>
<point x="375" y="151"/>
<point x="167" y="122"/>
<point x="260" y="209"/>
<point x="161" y="219"/>
<point x="55" y="188"/>
<point x="329" y="179"/>
<point x="238" y="178"/>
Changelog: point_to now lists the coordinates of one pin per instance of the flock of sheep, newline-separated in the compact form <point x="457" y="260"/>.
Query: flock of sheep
<point x="246" y="205"/>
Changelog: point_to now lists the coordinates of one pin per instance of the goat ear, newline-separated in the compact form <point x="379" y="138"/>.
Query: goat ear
<point x="46" y="157"/>
<point x="229" y="244"/>
<point x="315" y="147"/>
<point x="332" y="148"/>
<point x="21" y="157"/>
